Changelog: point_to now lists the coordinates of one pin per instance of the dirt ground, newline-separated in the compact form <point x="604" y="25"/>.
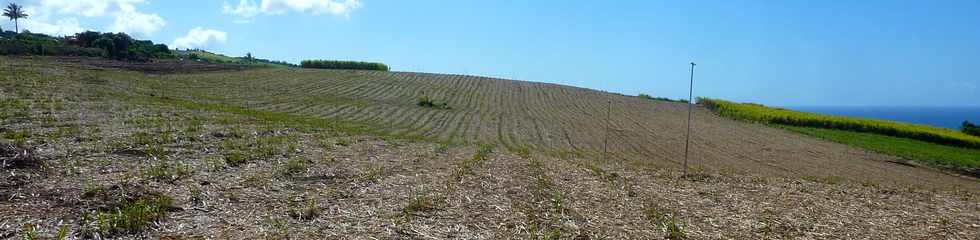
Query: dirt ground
<point x="543" y="118"/>
<point x="79" y="144"/>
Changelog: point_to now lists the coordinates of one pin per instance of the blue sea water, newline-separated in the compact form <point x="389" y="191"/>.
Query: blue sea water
<point x="946" y="117"/>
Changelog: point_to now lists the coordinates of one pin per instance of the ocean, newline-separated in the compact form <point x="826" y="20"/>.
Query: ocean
<point x="946" y="117"/>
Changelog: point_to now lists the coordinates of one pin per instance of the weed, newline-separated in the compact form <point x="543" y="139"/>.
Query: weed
<point x="166" y="171"/>
<point x="556" y="204"/>
<point x="29" y="232"/>
<point x="235" y="159"/>
<point x="467" y="166"/>
<point x="442" y="148"/>
<point x="426" y="101"/>
<point x="62" y="232"/>
<point x="131" y="215"/>
<point x="18" y="137"/>
<point x="668" y="221"/>
<point x="309" y="212"/>
<point x="422" y="202"/>
<point x="523" y="152"/>
<point x="296" y="166"/>
<point x="343" y="142"/>
<point x="281" y="227"/>
<point x="326" y="145"/>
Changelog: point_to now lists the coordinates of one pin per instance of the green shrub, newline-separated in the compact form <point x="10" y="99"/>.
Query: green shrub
<point x="90" y="44"/>
<point x="652" y="98"/>
<point x="426" y="101"/>
<point x="333" y="64"/>
<point x="970" y="128"/>
<point x="760" y="113"/>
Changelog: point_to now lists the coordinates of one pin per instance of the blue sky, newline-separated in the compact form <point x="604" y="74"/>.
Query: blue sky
<point x="920" y="53"/>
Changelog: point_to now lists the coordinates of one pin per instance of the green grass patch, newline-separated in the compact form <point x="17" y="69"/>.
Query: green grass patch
<point x="426" y="101"/>
<point x="954" y="158"/>
<point x="759" y="113"/>
<point x="130" y="216"/>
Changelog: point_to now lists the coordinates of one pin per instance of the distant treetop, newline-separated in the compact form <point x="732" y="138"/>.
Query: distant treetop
<point x="333" y="64"/>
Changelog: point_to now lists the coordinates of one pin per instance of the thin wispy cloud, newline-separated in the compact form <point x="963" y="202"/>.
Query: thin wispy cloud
<point x="200" y="37"/>
<point x="247" y="9"/>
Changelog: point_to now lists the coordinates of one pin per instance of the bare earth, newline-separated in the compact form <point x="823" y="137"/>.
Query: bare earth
<point x="86" y="149"/>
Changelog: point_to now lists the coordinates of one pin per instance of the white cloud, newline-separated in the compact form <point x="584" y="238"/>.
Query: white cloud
<point x="248" y="8"/>
<point x="40" y="22"/>
<point x="200" y="37"/>
<point x="245" y="9"/>
<point x="125" y="16"/>
<point x="62" y="27"/>
<point x="311" y="6"/>
<point x="131" y="21"/>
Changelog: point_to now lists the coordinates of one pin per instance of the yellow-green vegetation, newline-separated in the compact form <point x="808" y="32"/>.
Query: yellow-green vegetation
<point x="964" y="160"/>
<point x="760" y="113"/>
<point x="131" y="215"/>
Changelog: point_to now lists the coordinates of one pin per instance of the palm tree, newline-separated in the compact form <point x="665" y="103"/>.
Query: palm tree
<point x="14" y="12"/>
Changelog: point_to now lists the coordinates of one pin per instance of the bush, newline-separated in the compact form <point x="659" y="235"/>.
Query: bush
<point x="760" y="113"/>
<point x="648" y="97"/>
<point x="426" y="101"/>
<point x="90" y="44"/>
<point x="332" y="64"/>
<point x="970" y="128"/>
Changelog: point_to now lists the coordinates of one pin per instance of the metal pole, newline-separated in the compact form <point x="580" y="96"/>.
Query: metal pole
<point x="605" y="140"/>
<point x="690" y="108"/>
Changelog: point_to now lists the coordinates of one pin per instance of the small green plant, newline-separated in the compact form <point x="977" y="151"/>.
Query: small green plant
<point x="442" y="148"/>
<point x="29" y="232"/>
<point x="235" y="159"/>
<point x="166" y="171"/>
<point x="467" y="166"/>
<point x="296" y="166"/>
<point x="131" y="215"/>
<point x="668" y="221"/>
<point x="343" y="142"/>
<point x="18" y="137"/>
<point x="309" y="212"/>
<point x="426" y="101"/>
<point x="422" y="202"/>
<point x="523" y="151"/>
<point x="62" y="232"/>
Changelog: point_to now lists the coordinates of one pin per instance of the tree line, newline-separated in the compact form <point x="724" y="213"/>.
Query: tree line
<point x="334" y="64"/>
<point x="119" y="46"/>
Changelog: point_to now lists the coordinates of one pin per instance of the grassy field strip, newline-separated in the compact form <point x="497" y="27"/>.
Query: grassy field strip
<point x="955" y="158"/>
<point x="759" y="113"/>
<point x="942" y="148"/>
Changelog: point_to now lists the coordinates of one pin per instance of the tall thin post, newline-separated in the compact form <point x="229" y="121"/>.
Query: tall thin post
<point x="690" y="108"/>
<point x="605" y="140"/>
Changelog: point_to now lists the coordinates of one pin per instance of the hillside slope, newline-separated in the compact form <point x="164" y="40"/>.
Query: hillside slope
<point x="543" y="117"/>
<point x="104" y="153"/>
